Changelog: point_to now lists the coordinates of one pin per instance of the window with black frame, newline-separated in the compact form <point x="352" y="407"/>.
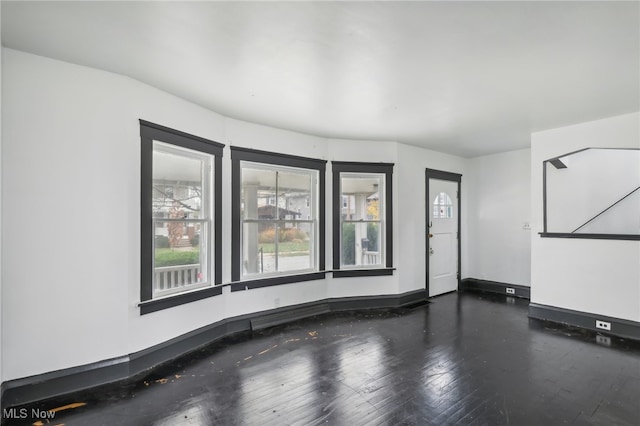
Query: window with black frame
<point x="362" y="218"/>
<point x="180" y="217"/>
<point x="278" y="218"/>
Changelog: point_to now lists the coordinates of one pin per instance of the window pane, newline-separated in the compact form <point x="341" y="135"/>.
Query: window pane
<point x="180" y="253"/>
<point x="348" y="244"/>
<point x="258" y="193"/>
<point x="258" y="248"/>
<point x="361" y="196"/>
<point x="373" y="237"/>
<point x="442" y="206"/>
<point x="294" y="250"/>
<point x="180" y="177"/>
<point x="361" y="244"/>
<point x="294" y="192"/>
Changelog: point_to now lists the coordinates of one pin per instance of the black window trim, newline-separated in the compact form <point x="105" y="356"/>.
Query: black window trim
<point x="239" y="154"/>
<point x="338" y="167"/>
<point x="148" y="133"/>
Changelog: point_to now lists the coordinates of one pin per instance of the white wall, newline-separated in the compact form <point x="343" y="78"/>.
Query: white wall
<point x="593" y="276"/>
<point x="412" y="229"/>
<point x="500" y="193"/>
<point x="70" y="174"/>
<point x="592" y="181"/>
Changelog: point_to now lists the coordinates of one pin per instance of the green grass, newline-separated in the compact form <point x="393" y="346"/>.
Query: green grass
<point x="169" y="257"/>
<point x="301" y="248"/>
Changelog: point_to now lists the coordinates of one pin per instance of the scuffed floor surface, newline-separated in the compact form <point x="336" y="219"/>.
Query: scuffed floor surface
<point x="462" y="359"/>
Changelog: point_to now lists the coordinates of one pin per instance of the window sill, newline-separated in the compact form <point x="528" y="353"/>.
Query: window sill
<point x="344" y="273"/>
<point x="178" y="299"/>
<point x="629" y="237"/>
<point x="277" y="280"/>
<point x="149" y="306"/>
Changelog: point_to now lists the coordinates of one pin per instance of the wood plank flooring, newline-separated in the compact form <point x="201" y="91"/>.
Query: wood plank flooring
<point x="470" y="358"/>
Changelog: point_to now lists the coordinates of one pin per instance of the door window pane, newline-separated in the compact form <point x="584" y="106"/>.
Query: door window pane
<point x="442" y="206"/>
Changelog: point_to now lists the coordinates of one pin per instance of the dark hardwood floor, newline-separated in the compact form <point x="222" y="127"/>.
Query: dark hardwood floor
<point x="467" y="358"/>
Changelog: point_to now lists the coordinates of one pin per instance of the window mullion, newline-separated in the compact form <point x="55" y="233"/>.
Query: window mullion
<point x="276" y="236"/>
<point x="277" y="194"/>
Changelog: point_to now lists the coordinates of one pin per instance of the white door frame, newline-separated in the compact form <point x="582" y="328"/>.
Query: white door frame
<point x="448" y="176"/>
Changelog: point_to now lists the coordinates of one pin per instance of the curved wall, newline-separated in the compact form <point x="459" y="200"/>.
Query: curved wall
<point x="71" y="199"/>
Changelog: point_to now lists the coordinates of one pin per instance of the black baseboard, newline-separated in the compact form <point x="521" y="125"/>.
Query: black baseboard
<point x="288" y="314"/>
<point x="619" y="327"/>
<point x="474" y="284"/>
<point x="377" y="302"/>
<point x="130" y="367"/>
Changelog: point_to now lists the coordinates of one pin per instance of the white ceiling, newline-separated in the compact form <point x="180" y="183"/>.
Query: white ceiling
<point x="467" y="78"/>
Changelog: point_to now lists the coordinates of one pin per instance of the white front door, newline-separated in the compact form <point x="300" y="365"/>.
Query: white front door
<point x="442" y="235"/>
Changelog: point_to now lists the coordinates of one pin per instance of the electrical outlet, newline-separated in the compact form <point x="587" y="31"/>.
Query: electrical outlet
<point x="603" y="325"/>
<point x="511" y="290"/>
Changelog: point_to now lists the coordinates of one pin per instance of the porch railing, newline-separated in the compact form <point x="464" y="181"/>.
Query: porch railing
<point x="370" y="257"/>
<point x="168" y="277"/>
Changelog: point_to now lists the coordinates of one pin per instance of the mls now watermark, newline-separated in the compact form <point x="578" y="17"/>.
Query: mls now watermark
<point x="23" y="413"/>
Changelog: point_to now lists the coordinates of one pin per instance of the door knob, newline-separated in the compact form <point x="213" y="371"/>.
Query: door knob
<point x="430" y="235"/>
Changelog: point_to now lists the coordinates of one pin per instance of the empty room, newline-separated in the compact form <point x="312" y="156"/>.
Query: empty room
<point x="305" y="213"/>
